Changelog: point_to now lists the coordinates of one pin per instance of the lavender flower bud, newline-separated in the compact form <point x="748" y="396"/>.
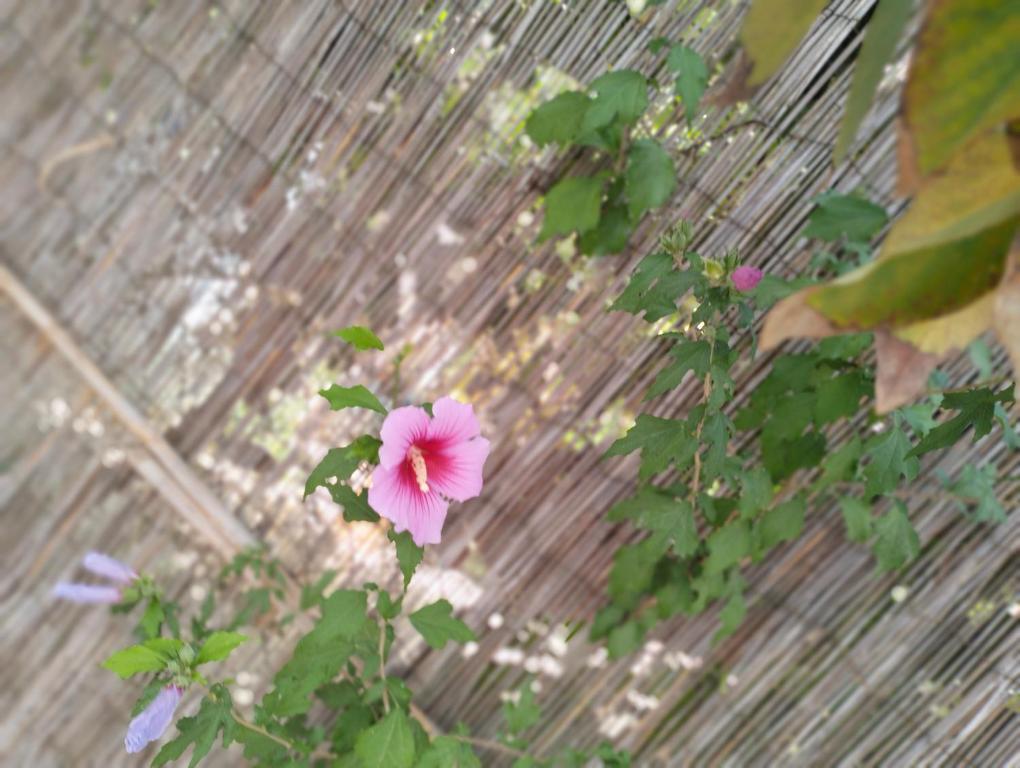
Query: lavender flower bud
<point x="86" y="593"/>
<point x="152" y="721"/>
<point x="108" y="567"/>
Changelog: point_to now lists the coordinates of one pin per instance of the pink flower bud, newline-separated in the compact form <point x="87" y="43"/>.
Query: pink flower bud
<point x="745" y="278"/>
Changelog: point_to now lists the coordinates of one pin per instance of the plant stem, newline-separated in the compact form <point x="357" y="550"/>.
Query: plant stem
<point x="696" y="482"/>
<point x="259" y="729"/>
<point x="382" y="665"/>
<point x="492" y="746"/>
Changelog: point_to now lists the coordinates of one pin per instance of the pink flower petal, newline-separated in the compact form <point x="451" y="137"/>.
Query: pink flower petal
<point x="452" y="421"/>
<point x="395" y="495"/>
<point x="401" y="427"/>
<point x="745" y="278"/>
<point x="456" y="469"/>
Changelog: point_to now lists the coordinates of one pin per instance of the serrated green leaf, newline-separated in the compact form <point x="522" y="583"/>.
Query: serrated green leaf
<point x="312" y="594"/>
<point x="355" y="505"/>
<point x="781" y="523"/>
<point x="897" y="541"/>
<point x="218" y="646"/>
<point x="691" y="77"/>
<point x="731" y="616"/>
<point x="756" y="492"/>
<point x="883" y="34"/>
<point x="840" y="397"/>
<point x="857" y="516"/>
<point x="890" y="459"/>
<point x="650" y="177"/>
<point x="409" y="554"/>
<point x="839" y="466"/>
<point x="687" y="356"/>
<point x="659" y="512"/>
<point x="976" y="409"/>
<point x="728" y="546"/>
<point x="558" y="120"/>
<point x="655" y="287"/>
<point x="610" y="235"/>
<point x="624" y="639"/>
<point x="621" y="95"/>
<point x="387" y="744"/>
<point x="320" y="655"/>
<point x="351" y="397"/>
<point x="836" y="215"/>
<point x="448" y="752"/>
<point x="214" y="716"/>
<point x="341" y="462"/>
<point x="135" y="659"/>
<point x="152" y="618"/>
<point x="976" y="485"/>
<point x="359" y="337"/>
<point x="572" y="205"/>
<point x="661" y="442"/>
<point x="437" y="624"/>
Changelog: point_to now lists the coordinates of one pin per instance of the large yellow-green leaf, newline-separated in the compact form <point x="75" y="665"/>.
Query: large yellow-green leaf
<point x="916" y="285"/>
<point x="772" y="29"/>
<point x="965" y="78"/>
<point x="978" y="189"/>
<point x="884" y="31"/>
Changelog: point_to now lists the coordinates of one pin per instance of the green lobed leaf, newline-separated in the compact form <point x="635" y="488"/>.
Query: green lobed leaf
<point x="976" y="486"/>
<point x="857" y="516"/>
<point x="731" y="616"/>
<point x="572" y="205"/>
<point x="219" y="646"/>
<point x="610" y="235"/>
<point x="387" y="744"/>
<point x="976" y="409"/>
<point x="691" y="77"/>
<point x="448" y="752"/>
<point x="837" y="215"/>
<point x="660" y="512"/>
<point x="355" y="505"/>
<point x="351" y="397"/>
<point x="655" y="287"/>
<point x="215" y="716"/>
<point x="883" y="34"/>
<point x="557" y="120"/>
<point x="650" y="177"/>
<point x="437" y="624"/>
<point x="620" y="95"/>
<point x="359" y="337"/>
<point x="756" y="492"/>
<point x="781" y="523"/>
<point x="840" y="465"/>
<point x="320" y="655"/>
<point x="890" y="459"/>
<point x="687" y="356"/>
<point x="728" y="546"/>
<point x="896" y="543"/>
<point x="661" y="441"/>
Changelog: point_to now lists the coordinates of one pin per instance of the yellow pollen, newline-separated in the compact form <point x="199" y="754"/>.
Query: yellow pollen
<point x="418" y="465"/>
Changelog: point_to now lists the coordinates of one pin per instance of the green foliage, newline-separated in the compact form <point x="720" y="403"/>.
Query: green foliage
<point x="435" y="622"/>
<point x="717" y="493"/>
<point x="359" y="337"/>
<point x="215" y="717"/>
<point x="409" y="554"/>
<point x="975" y="488"/>
<point x="387" y="744"/>
<point x="351" y="397"/>
<point x="691" y="77"/>
<point x="151" y="656"/>
<point x="218" y="646"/>
<point x="896" y="542"/>
<point x="603" y="210"/>
<point x="520" y="711"/>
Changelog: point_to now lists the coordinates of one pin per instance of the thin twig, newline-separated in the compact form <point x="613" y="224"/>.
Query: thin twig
<point x="259" y="729"/>
<point x="489" y="744"/>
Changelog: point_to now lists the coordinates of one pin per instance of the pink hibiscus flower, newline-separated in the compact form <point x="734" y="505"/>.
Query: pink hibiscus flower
<point x="424" y="463"/>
